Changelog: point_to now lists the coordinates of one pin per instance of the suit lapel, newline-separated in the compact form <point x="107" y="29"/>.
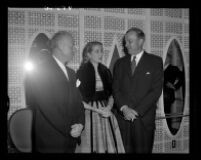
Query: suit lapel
<point x="70" y="76"/>
<point x="128" y="66"/>
<point x="140" y="65"/>
<point x="57" y="70"/>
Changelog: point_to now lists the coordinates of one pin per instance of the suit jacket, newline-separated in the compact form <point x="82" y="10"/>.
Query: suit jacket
<point x="141" y="90"/>
<point x="56" y="103"/>
<point x="86" y="74"/>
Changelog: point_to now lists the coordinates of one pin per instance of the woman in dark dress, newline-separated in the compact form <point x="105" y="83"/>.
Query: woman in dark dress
<point x="101" y="133"/>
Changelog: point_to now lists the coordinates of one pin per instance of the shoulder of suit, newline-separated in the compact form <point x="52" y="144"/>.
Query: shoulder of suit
<point x="154" y="57"/>
<point x="121" y="60"/>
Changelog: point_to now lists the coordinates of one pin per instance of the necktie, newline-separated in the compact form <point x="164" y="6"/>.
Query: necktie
<point x="133" y="65"/>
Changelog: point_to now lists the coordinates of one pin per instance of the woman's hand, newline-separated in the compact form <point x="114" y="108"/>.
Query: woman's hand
<point x="89" y="107"/>
<point x="86" y="106"/>
<point x="105" y="112"/>
<point x="108" y="107"/>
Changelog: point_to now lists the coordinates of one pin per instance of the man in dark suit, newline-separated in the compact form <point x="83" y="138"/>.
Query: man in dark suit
<point x="137" y="85"/>
<point x="52" y="95"/>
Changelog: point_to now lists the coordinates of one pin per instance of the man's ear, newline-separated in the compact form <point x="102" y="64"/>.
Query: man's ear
<point x="88" y="55"/>
<point x="141" y="42"/>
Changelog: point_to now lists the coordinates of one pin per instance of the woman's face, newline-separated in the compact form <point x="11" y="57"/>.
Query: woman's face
<point x="96" y="54"/>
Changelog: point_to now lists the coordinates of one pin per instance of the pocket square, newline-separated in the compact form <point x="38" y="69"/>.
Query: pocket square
<point x="78" y="82"/>
<point x="148" y="73"/>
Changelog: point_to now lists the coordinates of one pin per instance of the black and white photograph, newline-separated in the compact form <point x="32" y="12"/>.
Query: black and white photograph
<point x="98" y="80"/>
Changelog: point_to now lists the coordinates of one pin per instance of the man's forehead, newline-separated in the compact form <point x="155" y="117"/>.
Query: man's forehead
<point x="131" y="34"/>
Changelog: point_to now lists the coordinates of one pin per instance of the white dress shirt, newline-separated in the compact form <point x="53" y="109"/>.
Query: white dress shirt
<point x="137" y="59"/>
<point x="62" y="66"/>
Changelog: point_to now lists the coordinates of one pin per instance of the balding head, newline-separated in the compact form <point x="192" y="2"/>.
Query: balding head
<point x="57" y="37"/>
<point x="62" y="46"/>
<point x="134" y="40"/>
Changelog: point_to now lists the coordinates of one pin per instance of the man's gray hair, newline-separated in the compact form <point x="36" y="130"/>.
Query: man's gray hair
<point x="58" y="36"/>
<point x="138" y="31"/>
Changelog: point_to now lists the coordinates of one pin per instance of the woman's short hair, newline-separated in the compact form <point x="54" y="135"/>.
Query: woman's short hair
<point x="88" y="49"/>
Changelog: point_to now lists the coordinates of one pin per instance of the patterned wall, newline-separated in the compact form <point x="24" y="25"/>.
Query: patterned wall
<point x="107" y="26"/>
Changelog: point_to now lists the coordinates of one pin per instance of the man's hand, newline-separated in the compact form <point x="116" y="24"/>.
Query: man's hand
<point x="76" y="130"/>
<point x="135" y="113"/>
<point x="129" y="114"/>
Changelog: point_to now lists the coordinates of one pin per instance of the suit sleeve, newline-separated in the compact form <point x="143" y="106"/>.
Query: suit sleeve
<point x="80" y="115"/>
<point x="81" y="112"/>
<point x="34" y="90"/>
<point x="119" y="98"/>
<point x="155" y="92"/>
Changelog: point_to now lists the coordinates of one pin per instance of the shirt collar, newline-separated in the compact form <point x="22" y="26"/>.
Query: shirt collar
<point x="61" y="65"/>
<point x="138" y="56"/>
